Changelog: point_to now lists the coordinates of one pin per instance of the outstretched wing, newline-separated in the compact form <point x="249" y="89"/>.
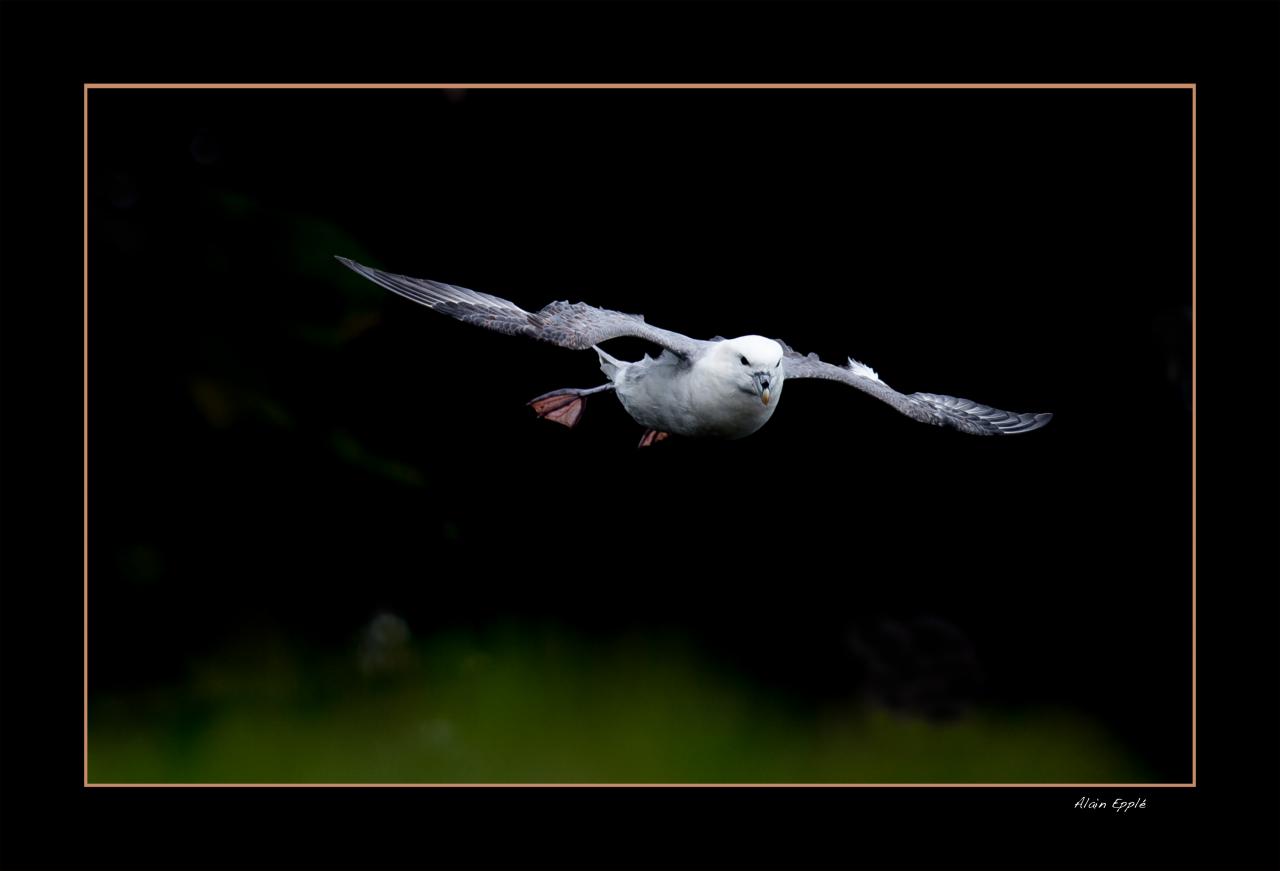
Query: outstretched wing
<point x="963" y="414"/>
<point x="570" y="325"/>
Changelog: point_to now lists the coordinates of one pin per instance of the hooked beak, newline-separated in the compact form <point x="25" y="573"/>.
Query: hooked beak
<point x="762" y="385"/>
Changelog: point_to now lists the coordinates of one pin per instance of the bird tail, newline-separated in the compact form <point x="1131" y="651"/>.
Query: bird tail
<point x="610" y="366"/>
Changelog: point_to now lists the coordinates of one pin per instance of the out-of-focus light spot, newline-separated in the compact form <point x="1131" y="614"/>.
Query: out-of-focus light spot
<point x="222" y="404"/>
<point x="351" y="451"/>
<point x="205" y="149"/>
<point x="357" y="323"/>
<point x="474" y="662"/>
<point x="237" y="205"/>
<point x="384" y="645"/>
<point x="214" y="402"/>
<point x="437" y="732"/>
<point x="454" y="95"/>
<point x="923" y="666"/>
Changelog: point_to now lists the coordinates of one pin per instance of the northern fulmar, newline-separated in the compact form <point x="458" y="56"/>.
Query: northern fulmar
<point x="715" y="388"/>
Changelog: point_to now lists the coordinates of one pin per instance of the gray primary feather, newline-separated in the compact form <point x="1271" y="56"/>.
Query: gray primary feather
<point x="570" y="325"/>
<point x="963" y="414"/>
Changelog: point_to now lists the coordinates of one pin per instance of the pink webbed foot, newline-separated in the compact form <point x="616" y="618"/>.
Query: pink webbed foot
<point x="652" y="437"/>
<point x="563" y="408"/>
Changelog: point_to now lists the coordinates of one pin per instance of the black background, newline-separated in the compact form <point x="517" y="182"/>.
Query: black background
<point x="1029" y="249"/>
<point x="1023" y="249"/>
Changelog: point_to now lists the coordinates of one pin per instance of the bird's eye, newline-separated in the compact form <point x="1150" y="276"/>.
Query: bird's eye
<point x="745" y="361"/>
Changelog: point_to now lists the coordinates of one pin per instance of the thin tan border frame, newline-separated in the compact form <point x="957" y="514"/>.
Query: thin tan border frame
<point x="722" y="86"/>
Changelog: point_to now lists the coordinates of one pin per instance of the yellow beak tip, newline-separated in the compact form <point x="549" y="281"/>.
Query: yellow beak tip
<point x="764" y="397"/>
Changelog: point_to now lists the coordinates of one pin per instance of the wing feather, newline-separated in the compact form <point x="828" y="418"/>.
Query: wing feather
<point x="576" y="326"/>
<point x="939" y="410"/>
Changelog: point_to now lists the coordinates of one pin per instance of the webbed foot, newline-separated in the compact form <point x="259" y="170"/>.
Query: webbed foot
<point x="564" y="406"/>
<point x="652" y="437"/>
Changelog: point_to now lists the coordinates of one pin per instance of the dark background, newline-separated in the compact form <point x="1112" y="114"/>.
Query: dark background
<point x="1233" y="59"/>
<point x="1026" y="248"/>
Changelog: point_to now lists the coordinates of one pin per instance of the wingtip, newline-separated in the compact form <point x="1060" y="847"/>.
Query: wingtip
<point x="1037" y="421"/>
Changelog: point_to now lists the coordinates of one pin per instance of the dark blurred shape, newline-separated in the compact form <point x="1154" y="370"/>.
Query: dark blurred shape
<point x="923" y="665"/>
<point x="141" y="564"/>
<point x="126" y="236"/>
<point x="122" y="190"/>
<point x="216" y="260"/>
<point x="205" y="148"/>
<point x="384" y="645"/>
<point x="351" y="327"/>
<point x="1172" y="327"/>
<point x="454" y="95"/>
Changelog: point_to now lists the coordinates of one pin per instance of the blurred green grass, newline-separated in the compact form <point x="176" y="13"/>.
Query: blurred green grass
<point x="521" y="707"/>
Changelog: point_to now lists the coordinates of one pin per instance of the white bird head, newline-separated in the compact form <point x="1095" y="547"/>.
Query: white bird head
<point x="752" y="363"/>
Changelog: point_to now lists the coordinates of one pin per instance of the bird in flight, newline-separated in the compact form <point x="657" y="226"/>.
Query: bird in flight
<point x="715" y="388"/>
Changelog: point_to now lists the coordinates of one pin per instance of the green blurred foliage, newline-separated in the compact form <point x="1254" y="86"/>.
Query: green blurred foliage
<point x="521" y="707"/>
<point x="351" y="451"/>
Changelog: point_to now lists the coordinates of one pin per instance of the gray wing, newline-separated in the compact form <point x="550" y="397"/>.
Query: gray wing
<point x="963" y="414"/>
<point x="576" y="326"/>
